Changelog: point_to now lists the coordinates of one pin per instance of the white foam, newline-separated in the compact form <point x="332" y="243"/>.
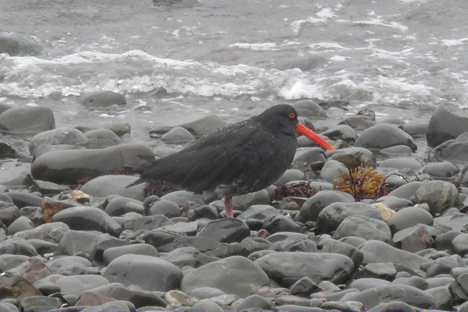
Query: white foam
<point x="267" y="46"/>
<point x="454" y="42"/>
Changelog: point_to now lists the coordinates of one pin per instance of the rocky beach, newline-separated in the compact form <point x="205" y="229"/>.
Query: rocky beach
<point x="90" y="91"/>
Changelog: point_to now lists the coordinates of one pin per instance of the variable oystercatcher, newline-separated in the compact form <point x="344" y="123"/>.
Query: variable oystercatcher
<point x="237" y="159"/>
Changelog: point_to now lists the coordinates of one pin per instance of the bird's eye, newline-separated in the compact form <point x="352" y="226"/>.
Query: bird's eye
<point x="292" y="115"/>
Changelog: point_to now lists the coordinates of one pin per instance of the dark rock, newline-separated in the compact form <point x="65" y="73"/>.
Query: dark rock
<point x="451" y="150"/>
<point x="365" y="227"/>
<point x="385" y="271"/>
<point x="146" y="272"/>
<point x="139" y="298"/>
<point x="280" y="223"/>
<point x="439" y="195"/>
<point x="49" y="232"/>
<point x="146" y="223"/>
<point x="354" y="157"/>
<point x="443" y="265"/>
<point x="159" y="238"/>
<point x="289" y="241"/>
<point x="206" y="305"/>
<point x="225" y="230"/>
<point x="138" y="249"/>
<point x="233" y="275"/>
<point x="71" y="265"/>
<point x="330" y="245"/>
<point x="357" y="122"/>
<point x="332" y="215"/>
<point x="27" y="119"/>
<point x="17" y="246"/>
<point x="82" y="242"/>
<point x="101" y="138"/>
<point x="117" y="305"/>
<point x="20" y="224"/>
<point x="101" y="99"/>
<point x="416" y="238"/>
<point x="459" y="288"/>
<point x="395" y="305"/>
<point x="68" y="167"/>
<point x="10" y="261"/>
<point x="365" y="283"/>
<point x="315" y="204"/>
<point x="282" y="267"/>
<point x="43" y="247"/>
<point x="58" y="136"/>
<point x="253" y="244"/>
<point x="303" y="287"/>
<point x="88" y="219"/>
<point x="341" y="132"/>
<point x="120" y="205"/>
<point x="376" y="251"/>
<point x="188" y="256"/>
<point x="309" y="109"/>
<point x="260" y="212"/>
<point x="446" y="123"/>
<point x="8" y="213"/>
<point x="384" y="135"/>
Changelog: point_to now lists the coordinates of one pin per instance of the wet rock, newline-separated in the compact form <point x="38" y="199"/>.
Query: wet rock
<point x="397" y="150"/>
<point x="43" y="247"/>
<point x="406" y="191"/>
<point x="88" y="219"/>
<point x="138" y="249"/>
<point x="280" y="223"/>
<point x="178" y="135"/>
<point x="365" y="227"/>
<point x="443" y="265"/>
<point x="354" y="157"/>
<point x="452" y="219"/>
<point x="408" y="217"/>
<point x="40" y="303"/>
<point x="107" y="185"/>
<point x="459" y="288"/>
<point x="146" y="223"/>
<point x="331" y="216"/>
<point x="69" y="136"/>
<point x="120" y="129"/>
<point x="49" y="232"/>
<point x="401" y="163"/>
<point x="365" y="283"/>
<point x="232" y="275"/>
<point x="225" y="230"/>
<point x="416" y="238"/>
<point x="408" y="294"/>
<point x="188" y="256"/>
<point x="341" y="132"/>
<point x="206" y="305"/>
<point x="199" y="126"/>
<point x="17" y="287"/>
<point x="439" y="195"/>
<point x="309" y="155"/>
<point x="255" y="302"/>
<point x="259" y="212"/>
<point x="68" y="167"/>
<point x="146" y="272"/>
<point x="290" y="175"/>
<point x="17" y="246"/>
<point x="71" y="265"/>
<point x="101" y="99"/>
<point x="286" y="241"/>
<point x="165" y="207"/>
<point x="452" y="150"/>
<point x="332" y="170"/>
<point x="394" y="305"/>
<point x="282" y="267"/>
<point x="101" y="138"/>
<point x="309" y="109"/>
<point x="376" y="251"/>
<point x="15" y="44"/>
<point x="446" y="123"/>
<point x="27" y="119"/>
<point x="315" y="204"/>
<point x="122" y="306"/>
<point x="330" y="245"/>
<point x="8" y="213"/>
<point x="120" y="205"/>
<point x="384" y="135"/>
<point x="441" y="170"/>
<point x="385" y="271"/>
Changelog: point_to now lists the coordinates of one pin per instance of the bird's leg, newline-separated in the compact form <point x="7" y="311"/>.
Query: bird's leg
<point x="228" y="205"/>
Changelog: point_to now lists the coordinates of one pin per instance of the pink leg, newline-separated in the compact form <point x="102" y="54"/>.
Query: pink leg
<point x="228" y="205"/>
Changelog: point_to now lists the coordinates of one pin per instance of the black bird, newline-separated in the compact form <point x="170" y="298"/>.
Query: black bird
<point x="237" y="159"/>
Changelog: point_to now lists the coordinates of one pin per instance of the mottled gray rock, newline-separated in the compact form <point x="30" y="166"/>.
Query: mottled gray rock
<point x="188" y="256"/>
<point x="447" y="122"/>
<point x="101" y="138"/>
<point x="384" y="135"/>
<point x="70" y="136"/>
<point x="120" y="205"/>
<point x="139" y="249"/>
<point x="27" y="119"/>
<point x="312" y="207"/>
<point x="439" y="195"/>
<point x="225" y="230"/>
<point x="101" y="99"/>
<point x="365" y="227"/>
<point x="354" y="157"/>
<point x="408" y="217"/>
<point x="49" y="232"/>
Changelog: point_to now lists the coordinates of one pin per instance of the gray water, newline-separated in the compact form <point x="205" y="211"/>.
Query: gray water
<point x="235" y="58"/>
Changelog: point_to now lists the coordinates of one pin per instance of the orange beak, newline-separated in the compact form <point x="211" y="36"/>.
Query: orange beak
<point x="300" y="128"/>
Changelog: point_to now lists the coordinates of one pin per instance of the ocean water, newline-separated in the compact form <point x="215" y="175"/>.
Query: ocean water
<point x="400" y="58"/>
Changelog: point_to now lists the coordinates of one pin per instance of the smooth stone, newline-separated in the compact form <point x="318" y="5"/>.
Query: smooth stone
<point x="43" y="247"/>
<point x="290" y="241"/>
<point x="397" y="150"/>
<point x="441" y="170"/>
<point x="357" y="122"/>
<point x="40" y="303"/>
<point x="82" y="242"/>
<point x="17" y="287"/>
<point x="146" y="272"/>
<point x="290" y="175"/>
<point x="456" y="221"/>
<point x="33" y="270"/>
<point x="384" y="135"/>
<point x="69" y="166"/>
<point x="206" y="292"/>
<point x="365" y="283"/>
<point x="376" y="251"/>
<point x="415" y="281"/>
<point x="365" y="227"/>
<point x="341" y="132"/>
<point x="309" y="155"/>
<point x="117" y="305"/>
<point x="332" y="215"/>
<point x="159" y="238"/>
<point x="70" y="265"/>
<point x="165" y="207"/>
<point x="49" y="232"/>
<point x="404" y="163"/>
<point x="445" y="241"/>
<point x="15" y="44"/>
<point x="443" y="265"/>
<point x="330" y="245"/>
<point x="416" y="238"/>
<point x="312" y="207"/>
<point x="406" y="191"/>
<point x="178" y="135"/>
<point x="69" y="136"/>
<point x="88" y="219"/>
<point x="183" y="227"/>
<point x="385" y="271"/>
<point x="282" y="267"/>
<point x="120" y="205"/>
<point x="205" y="211"/>
<point x="22" y="199"/>
<point x="309" y="109"/>
<point x="254" y="302"/>
<point x="280" y="223"/>
<point x="394" y="203"/>
<point x="354" y="157"/>
<point x="46" y="287"/>
<point x="8" y="213"/>
<point x="459" y="287"/>
<point x="204" y="125"/>
<point x="394" y="305"/>
<point x="447" y="122"/>
<point x="181" y="197"/>
<point x="77" y="284"/>
<point x="460" y="244"/>
<point x="206" y="305"/>
<point x="260" y="212"/>
<point x="101" y="138"/>
<point x="120" y="129"/>
<point x="225" y="230"/>
<point x="253" y="244"/>
<point x="439" y="195"/>
<point x="27" y="119"/>
<point x="409" y="217"/>
<point x="101" y="99"/>
<point x="138" y="249"/>
<point x="137" y="297"/>
<point x="332" y="170"/>
<point x="375" y="296"/>
<point x="17" y="246"/>
<point x="107" y="185"/>
<point x="243" y="202"/>
<point x="452" y="150"/>
<point x="188" y="256"/>
<point x="233" y="275"/>
<point x="11" y="261"/>
<point x="146" y="223"/>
